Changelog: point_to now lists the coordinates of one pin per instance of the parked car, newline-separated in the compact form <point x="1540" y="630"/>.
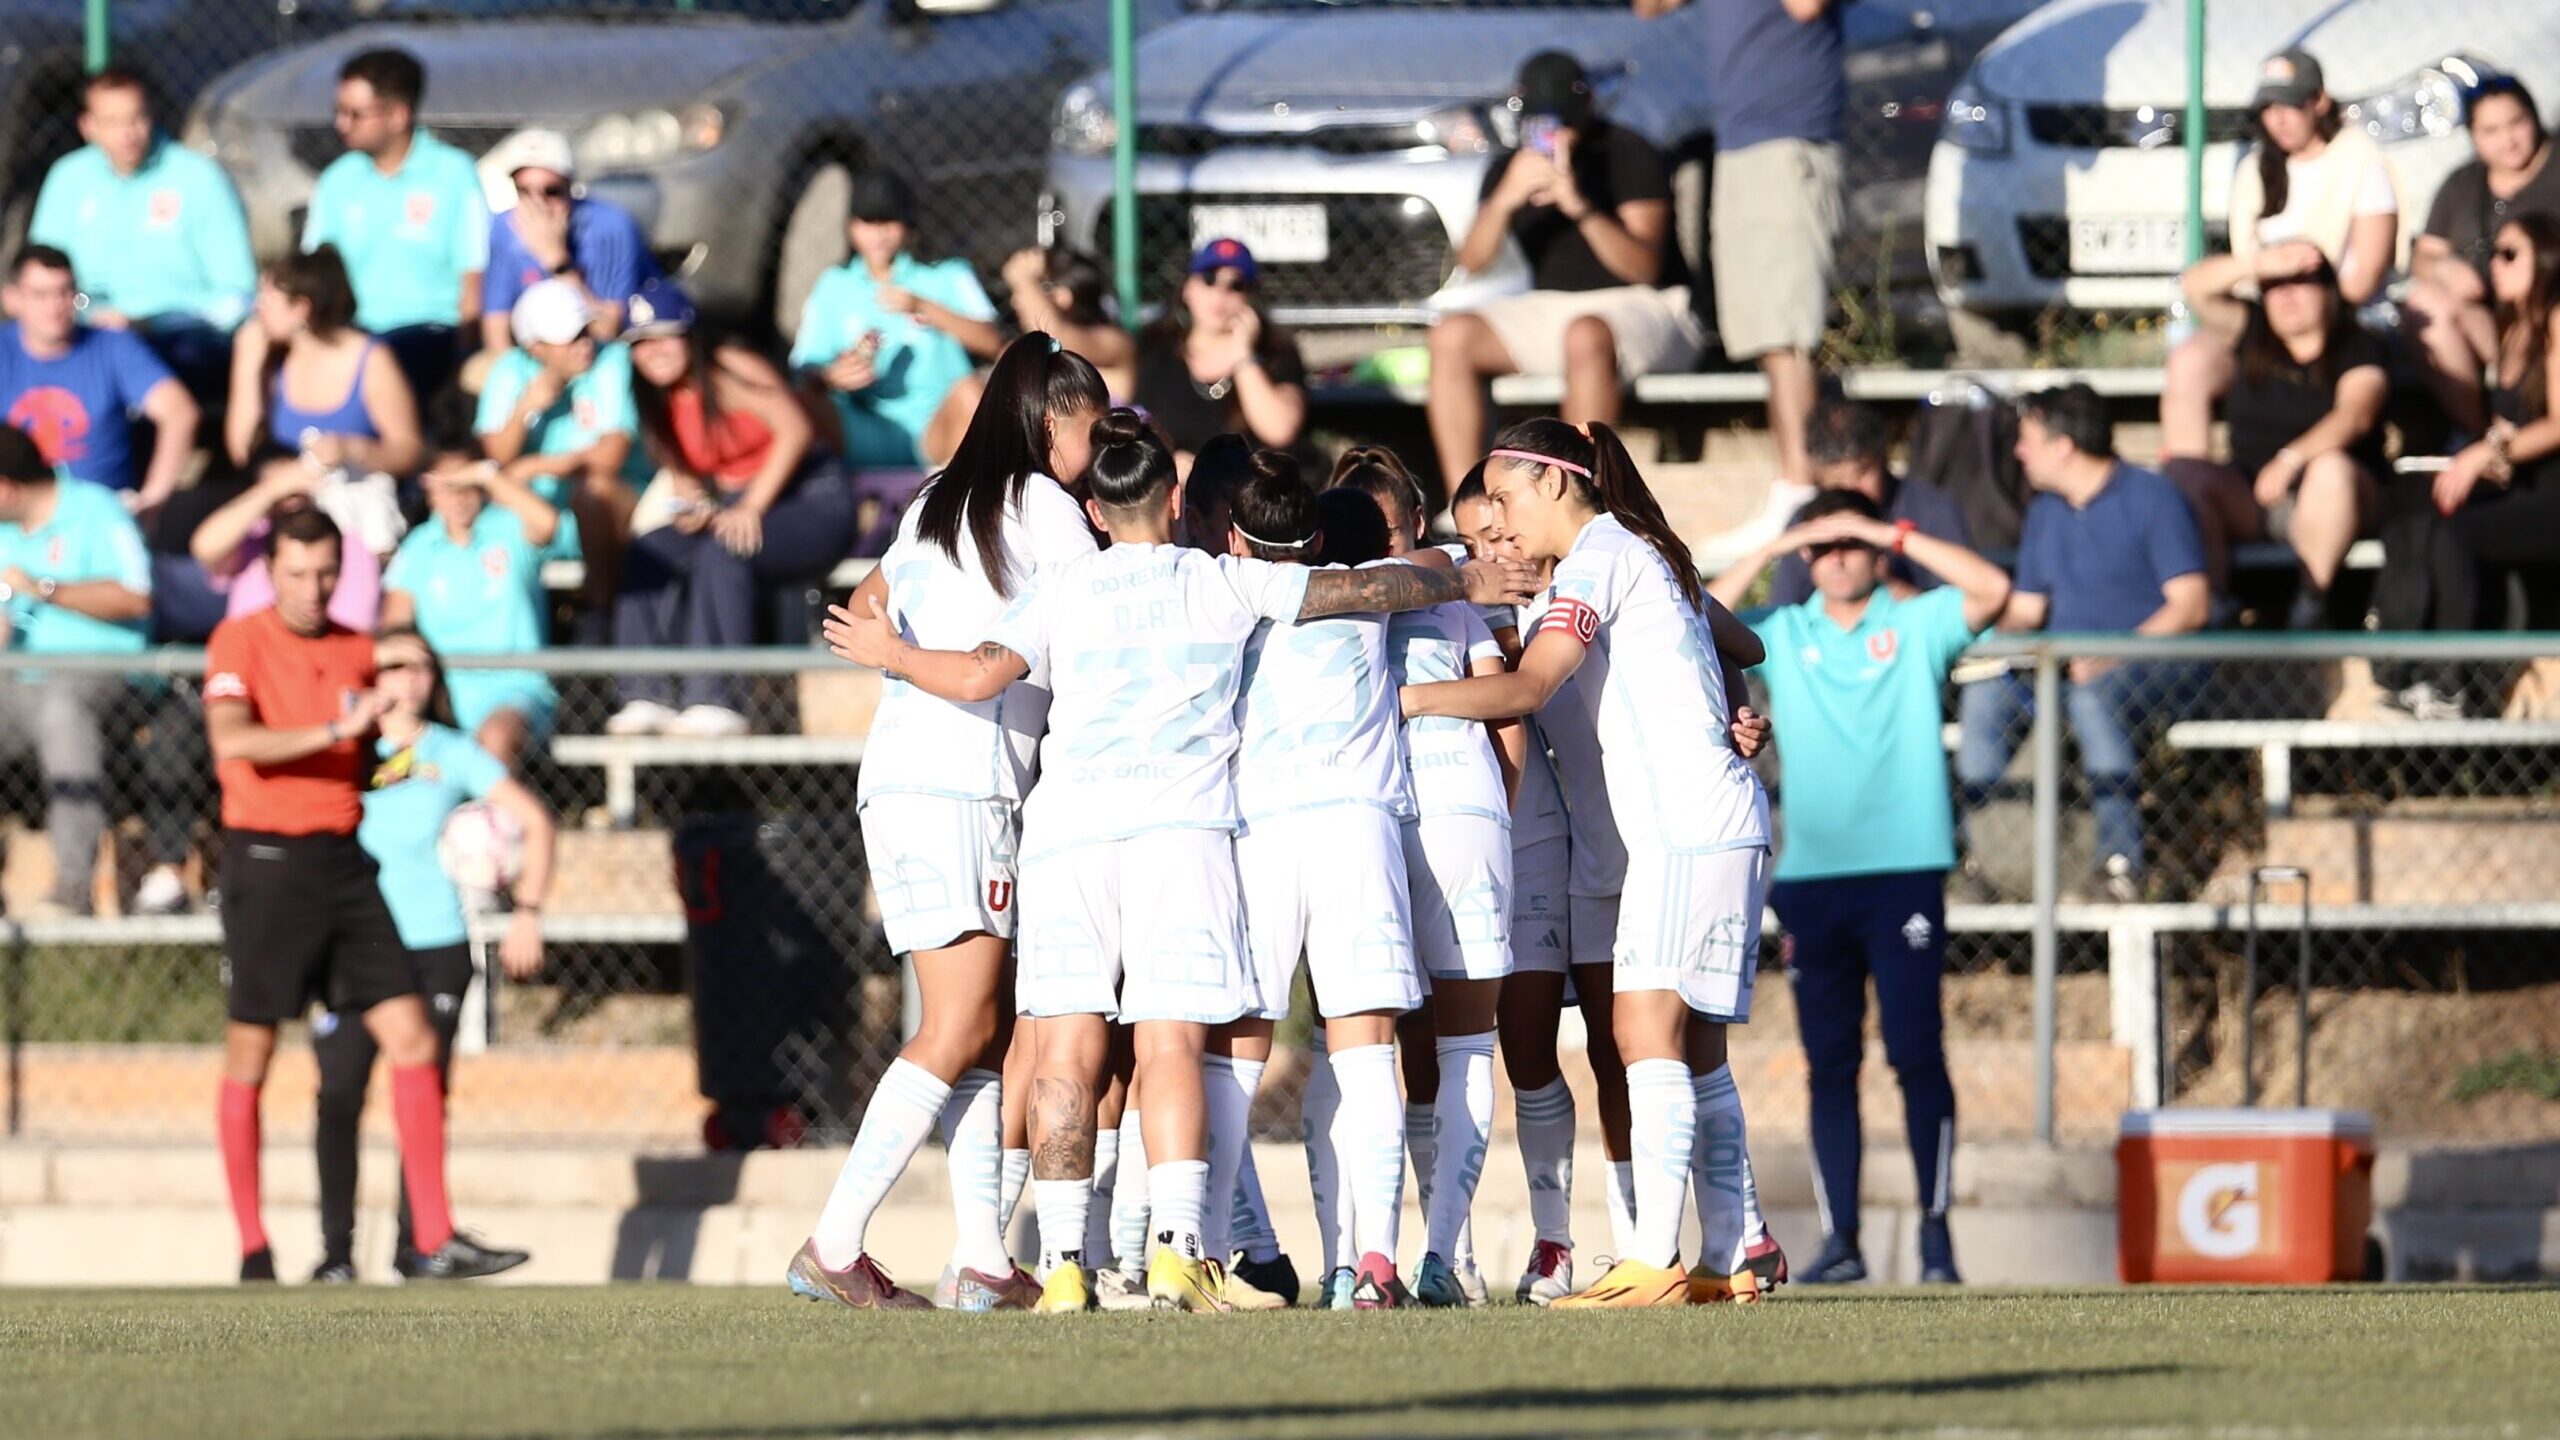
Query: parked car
<point x="731" y="128"/>
<point x="1346" y="140"/>
<point x="2059" y="178"/>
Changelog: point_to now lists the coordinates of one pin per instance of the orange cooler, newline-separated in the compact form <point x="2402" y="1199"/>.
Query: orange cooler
<point x="2243" y="1197"/>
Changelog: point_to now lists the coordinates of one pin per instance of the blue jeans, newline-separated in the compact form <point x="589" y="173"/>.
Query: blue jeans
<point x="688" y="590"/>
<point x="2107" y="716"/>
<point x="198" y="354"/>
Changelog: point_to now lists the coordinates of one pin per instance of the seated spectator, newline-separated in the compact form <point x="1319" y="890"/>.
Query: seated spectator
<point x="2304" y="403"/>
<point x="1215" y="365"/>
<point x="470" y="581"/>
<point x="893" y="340"/>
<point x="744" y="501"/>
<point x="232" y="543"/>
<point x="1846" y="445"/>
<point x="2108" y="548"/>
<point x="156" y="232"/>
<point x="74" y="580"/>
<point x="1590" y="204"/>
<point x="554" y="232"/>
<point x="1065" y="293"/>
<point x="557" y="413"/>
<point x="2448" y="308"/>
<point x="75" y="390"/>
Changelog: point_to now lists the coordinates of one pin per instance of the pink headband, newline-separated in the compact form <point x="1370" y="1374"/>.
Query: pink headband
<point x="1534" y="458"/>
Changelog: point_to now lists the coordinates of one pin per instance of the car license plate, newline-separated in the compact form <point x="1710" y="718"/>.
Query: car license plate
<point x="2128" y="247"/>
<point x="1276" y="234"/>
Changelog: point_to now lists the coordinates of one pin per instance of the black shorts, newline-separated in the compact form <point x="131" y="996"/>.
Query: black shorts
<point x="303" y="917"/>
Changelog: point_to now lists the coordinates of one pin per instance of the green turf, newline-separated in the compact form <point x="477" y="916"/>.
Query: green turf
<point x="670" y="1361"/>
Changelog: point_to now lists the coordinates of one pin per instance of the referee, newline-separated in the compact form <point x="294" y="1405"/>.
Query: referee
<point x="289" y="704"/>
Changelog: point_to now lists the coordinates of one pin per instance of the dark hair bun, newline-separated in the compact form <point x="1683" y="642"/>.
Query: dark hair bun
<point x="1122" y="426"/>
<point x="1277" y="467"/>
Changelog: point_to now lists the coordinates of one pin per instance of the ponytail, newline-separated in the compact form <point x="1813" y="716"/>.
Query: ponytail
<point x="1007" y="442"/>
<point x="1382" y="475"/>
<point x="1274" y="510"/>
<point x="1599" y="467"/>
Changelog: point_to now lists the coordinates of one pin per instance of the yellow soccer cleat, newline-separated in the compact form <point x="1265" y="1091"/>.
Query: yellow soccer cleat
<point x="1176" y="1282"/>
<point x="1069" y="1291"/>
<point x="1764" y="1269"/>
<point x="1632" y="1285"/>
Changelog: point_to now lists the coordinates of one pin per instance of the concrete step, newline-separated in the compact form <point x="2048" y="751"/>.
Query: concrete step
<point x="2430" y="852"/>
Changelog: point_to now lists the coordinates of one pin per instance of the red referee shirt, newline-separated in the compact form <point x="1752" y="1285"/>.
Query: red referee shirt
<point x="290" y="681"/>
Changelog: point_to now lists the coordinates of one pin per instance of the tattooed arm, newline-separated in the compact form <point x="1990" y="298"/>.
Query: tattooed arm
<point x="1386" y="589"/>
<point x="960" y="676"/>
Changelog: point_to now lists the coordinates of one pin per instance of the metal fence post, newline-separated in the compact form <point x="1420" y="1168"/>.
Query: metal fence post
<point x="13" y="1019"/>
<point x="2195" y="136"/>
<point x="100" y="46"/>
<point x="2048" y="873"/>
<point x="1124" y="157"/>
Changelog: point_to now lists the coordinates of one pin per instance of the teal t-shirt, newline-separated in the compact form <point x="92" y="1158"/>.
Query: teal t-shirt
<point x="89" y="537"/>
<point x="917" y="364"/>
<point x="1862" y="769"/>
<point x="595" y="405"/>
<point x="415" y="789"/>
<point x="481" y="596"/>
<point x="167" y="240"/>
<point x="408" y="238"/>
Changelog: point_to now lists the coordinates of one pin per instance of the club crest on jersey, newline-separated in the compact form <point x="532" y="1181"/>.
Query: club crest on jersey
<point x="164" y="208"/>
<point x="421" y="209"/>
<point x="999" y="896"/>
<point x="1882" y="645"/>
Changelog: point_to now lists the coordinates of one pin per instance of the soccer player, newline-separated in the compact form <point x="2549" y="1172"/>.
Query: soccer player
<point x="1627" y="613"/>
<point x="1128" y="872"/>
<point x="941" y="794"/>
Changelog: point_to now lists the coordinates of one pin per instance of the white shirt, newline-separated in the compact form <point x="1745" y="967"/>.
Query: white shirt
<point x="1656" y="694"/>
<point x="1319" y="719"/>
<point x="1573" y="739"/>
<point x="1451" y="761"/>
<point x="1145" y="650"/>
<point x="920" y="744"/>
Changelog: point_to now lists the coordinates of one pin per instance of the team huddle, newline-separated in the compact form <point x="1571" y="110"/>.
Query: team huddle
<point x="1118" y="795"/>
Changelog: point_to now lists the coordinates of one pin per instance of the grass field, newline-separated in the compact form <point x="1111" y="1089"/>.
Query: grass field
<point x="668" y="1361"/>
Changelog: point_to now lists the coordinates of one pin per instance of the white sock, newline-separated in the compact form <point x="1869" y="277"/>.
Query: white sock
<point x="1017" y="1173"/>
<point x="1129" y="1198"/>
<point x="1106" y="1185"/>
<point x="1464" y="1121"/>
<point x="1728" y="1201"/>
<point x="1663" y="1123"/>
<point x="1422" y="1142"/>
<point x="1622" y="1205"/>
<point x="1371" y="1151"/>
<point x="894" y="1126"/>
<point x="1316" y="1107"/>
<point x="1064" y="1206"/>
<point x="1177" y="1189"/>
<point x="1544" y="1118"/>
<point x="973" y="1133"/>
<point x="1228" y="1085"/>
<point x="1251" y="1225"/>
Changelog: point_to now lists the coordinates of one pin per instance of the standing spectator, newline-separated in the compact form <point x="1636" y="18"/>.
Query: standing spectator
<point x="407" y="212"/>
<point x="2448" y="309"/>
<point x="1855" y="675"/>
<point x="1064" y="293"/>
<point x="744" y="501"/>
<point x="893" y="340"/>
<point x="74" y="580"/>
<point x="556" y="411"/>
<point x="1216" y="365"/>
<point x="75" y="389"/>
<point x="156" y="231"/>
<point x="232" y="544"/>
<point x="1846" y="442"/>
<point x="554" y="232"/>
<point x="2304" y="402"/>
<point x="1590" y="205"/>
<point x="2108" y="548"/>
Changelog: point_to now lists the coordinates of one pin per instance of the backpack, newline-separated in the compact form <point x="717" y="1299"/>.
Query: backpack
<point x="1965" y="441"/>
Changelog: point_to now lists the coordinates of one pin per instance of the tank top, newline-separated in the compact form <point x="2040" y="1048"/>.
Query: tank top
<point x="728" y="453"/>
<point x="2507" y="403"/>
<point x="287" y="422"/>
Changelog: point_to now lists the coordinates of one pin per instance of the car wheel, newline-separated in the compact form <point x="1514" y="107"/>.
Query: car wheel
<point x="813" y="242"/>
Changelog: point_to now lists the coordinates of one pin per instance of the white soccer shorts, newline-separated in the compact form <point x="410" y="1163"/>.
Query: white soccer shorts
<point x="1330" y="884"/>
<point x="1147" y="928"/>
<point x="1541" y="910"/>
<point x="1690" y="922"/>
<point x="941" y="868"/>
<point x="1458" y="870"/>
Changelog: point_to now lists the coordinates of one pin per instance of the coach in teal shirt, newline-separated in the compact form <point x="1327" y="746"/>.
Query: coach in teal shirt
<point x="154" y="228"/>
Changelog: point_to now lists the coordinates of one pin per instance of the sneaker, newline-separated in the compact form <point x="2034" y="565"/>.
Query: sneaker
<point x="709" y="722"/>
<point x="2120" y="882"/>
<point x="1632" y="1285"/>
<point x="162" y="892"/>
<point x="1067" y="1293"/>
<point x="1175" y="1281"/>
<point x="863" y="1285"/>
<point x="1275" y="1276"/>
<point x="2423" y="701"/>
<point x="1840" y="1263"/>
<point x="977" y="1293"/>
<point x="640" y="717"/>
<point x="1470" y="1282"/>
<point x="258" y="1267"/>
<point x="1549" y="1277"/>
<point x="463" y="1257"/>
<point x="1338" y="1288"/>
<point x="1123" y="1290"/>
<point x="1435" y="1286"/>
<point x="334" y="1272"/>
<point x="1241" y="1293"/>
<point x="1377" y="1287"/>
<point x="1937" y="1253"/>
<point x="1764" y="1268"/>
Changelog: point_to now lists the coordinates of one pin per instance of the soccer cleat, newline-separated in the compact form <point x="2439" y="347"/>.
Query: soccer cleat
<point x="863" y="1285"/>
<point x="1549" y="1277"/>
<point x="1275" y="1276"/>
<point x="1123" y="1290"/>
<point x="1378" y="1288"/>
<point x="1937" y="1253"/>
<point x="1838" y="1264"/>
<point x="258" y="1267"/>
<point x="1471" y="1283"/>
<point x="1241" y="1293"/>
<point x="1177" y="1282"/>
<point x="1764" y="1268"/>
<point x="1435" y="1286"/>
<point x="978" y="1293"/>
<point x="1338" y="1288"/>
<point x="334" y="1272"/>
<point x="1067" y="1293"/>
<point x="1632" y="1285"/>
<point x="462" y="1258"/>
<point x="946" y="1291"/>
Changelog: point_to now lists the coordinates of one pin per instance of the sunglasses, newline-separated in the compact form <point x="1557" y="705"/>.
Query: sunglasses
<point x="543" y="192"/>
<point x="1229" y="281"/>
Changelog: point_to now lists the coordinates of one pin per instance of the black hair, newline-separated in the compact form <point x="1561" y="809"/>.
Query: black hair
<point x="440" y="695"/>
<point x="21" y="459"/>
<point x="1837" y="502"/>
<point x="2075" y="413"/>
<point x="394" y="76"/>
<point x="1007" y="442"/>
<point x="1841" y="431"/>
<point x="318" y="278"/>
<point x="1219" y="468"/>
<point x="449" y="427"/>
<point x="2534" y="315"/>
<point x="1382" y="474"/>
<point x="1082" y="277"/>
<point x="1614" y="486"/>
<point x="2274" y="180"/>
<point x="1131" y="465"/>
<point x="702" y="362"/>
<point x="2261" y="352"/>
<point x="1353" y="527"/>
<point x="1275" y="511"/>
<point x="2513" y="89"/>
<point x="307" y="527"/>
<point x="46" y="256"/>
<point x="1470" y="488"/>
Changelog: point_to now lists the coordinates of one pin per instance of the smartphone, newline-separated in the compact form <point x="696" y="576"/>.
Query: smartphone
<point x="1538" y="133"/>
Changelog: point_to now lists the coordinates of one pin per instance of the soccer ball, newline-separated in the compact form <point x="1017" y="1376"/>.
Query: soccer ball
<point x="482" y="848"/>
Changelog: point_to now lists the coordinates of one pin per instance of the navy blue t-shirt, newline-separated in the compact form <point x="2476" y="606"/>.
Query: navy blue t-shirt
<point x="2101" y="568"/>
<point x="1774" y="77"/>
<point x="78" y="408"/>
<point x="605" y="243"/>
<point x="1930" y="509"/>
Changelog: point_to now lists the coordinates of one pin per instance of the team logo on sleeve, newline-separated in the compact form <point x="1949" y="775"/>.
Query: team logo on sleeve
<point x="223" y="685"/>
<point x="1574" y="618"/>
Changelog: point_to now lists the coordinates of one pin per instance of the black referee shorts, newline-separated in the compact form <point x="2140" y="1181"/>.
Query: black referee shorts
<point x="303" y="916"/>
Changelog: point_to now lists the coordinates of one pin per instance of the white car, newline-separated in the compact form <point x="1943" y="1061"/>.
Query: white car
<point x="2060" y="175"/>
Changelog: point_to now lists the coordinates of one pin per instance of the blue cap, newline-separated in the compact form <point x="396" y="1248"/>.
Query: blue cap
<point x="659" y="307"/>
<point x="1227" y="254"/>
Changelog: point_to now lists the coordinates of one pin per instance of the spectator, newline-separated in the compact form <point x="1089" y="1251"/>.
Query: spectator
<point x="75" y="390"/>
<point x="893" y="340"/>
<point x="155" y="230"/>
<point x="407" y="212"/>
<point x="2304" y="402"/>
<point x="232" y="544"/>
<point x="1590" y="205"/>
<point x="743" y="501"/>
<point x="1216" y="365"/>
<point x="1856" y="673"/>
<point x="2108" y="548"/>
<point x="74" y="580"/>
<point x="2448" y="309"/>
<point x="557" y="413"/>
<point x="1846" y="444"/>
<point x="1065" y="293"/>
<point x="553" y="231"/>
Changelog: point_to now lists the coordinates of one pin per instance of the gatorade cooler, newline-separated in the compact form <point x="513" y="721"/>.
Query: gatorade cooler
<point x="2243" y="1197"/>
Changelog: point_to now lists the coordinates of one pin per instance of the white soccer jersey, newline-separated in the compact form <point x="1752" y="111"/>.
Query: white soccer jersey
<point x="923" y="745"/>
<point x="1656" y="695"/>
<point x="1451" y="761"/>
<point x="1319" y="720"/>
<point x="1145" y="648"/>
<point x="1573" y="741"/>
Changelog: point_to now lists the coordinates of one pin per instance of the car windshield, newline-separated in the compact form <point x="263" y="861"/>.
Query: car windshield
<point x="772" y="10"/>
<point x="1409" y="4"/>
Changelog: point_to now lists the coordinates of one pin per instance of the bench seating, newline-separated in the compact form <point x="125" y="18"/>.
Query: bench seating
<point x="2277" y="740"/>
<point x="623" y="757"/>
